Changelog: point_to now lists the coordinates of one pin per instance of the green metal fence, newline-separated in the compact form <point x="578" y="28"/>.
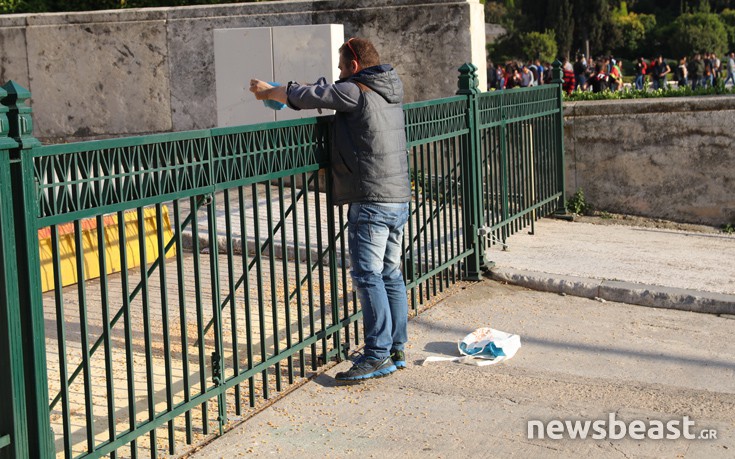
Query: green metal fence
<point x="210" y="268"/>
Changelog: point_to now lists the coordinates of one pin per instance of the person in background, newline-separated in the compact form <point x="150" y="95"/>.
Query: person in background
<point x="660" y="70"/>
<point x="709" y="78"/>
<point x="682" y="74"/>
<point x="501" y="77"/>
<point x="568" y="76"/>
<point x="526" y="77"/>
<point x="716" y="67"/>
<point x="696" y="71"/>
<point x="730" y="68"/>
<point x="616" y="75"/>
<point x="547" y="72"/>
<point x="640" y="73"/>
<point x="492" y="76"/>
<point x="370" y="174"/>
<point x="599" y="79"/>
<point x="580" y="72"/>
<point x="541" y="73"/>
<point x="513" y="78"/>
<point x="534" y="73"/>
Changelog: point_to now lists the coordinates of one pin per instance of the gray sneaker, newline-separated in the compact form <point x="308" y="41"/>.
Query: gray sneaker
<point x="366" y="368"/>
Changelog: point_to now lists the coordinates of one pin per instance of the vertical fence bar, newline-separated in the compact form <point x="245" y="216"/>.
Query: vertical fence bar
<point x="273" y="282"/>
<point x="84" y="331"/>
<point x="259" y="285"/>
<point x="231" y="292"/>
<point x="297" y="270"/>
<point x="218" y="357"/>
<point x="147" y="339"/>
<point x="284" y="267"/>
<point x="183" y="318"/>
<point x="246" y="294"/>
<point x="40" y="437"/>
<point x="309" y="266"/>
<point x="557" y="78"/>
<point x="106" y="329"/>
<point x="471" y="204"/>
<point x="503" y="166"/>
<point x="129" y="367"/>
<point x="194" y="209"/>
<point x="13" y="422"/>
<point x="165" y="323"/>
<point x="333" y="279"/>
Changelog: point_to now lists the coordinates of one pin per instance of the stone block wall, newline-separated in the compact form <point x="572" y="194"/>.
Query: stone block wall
<point x="663" y="158"/>
<point x="140" y="71"/>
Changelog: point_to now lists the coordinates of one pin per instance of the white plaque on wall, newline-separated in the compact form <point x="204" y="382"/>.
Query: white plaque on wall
<point x="281" y="54"/>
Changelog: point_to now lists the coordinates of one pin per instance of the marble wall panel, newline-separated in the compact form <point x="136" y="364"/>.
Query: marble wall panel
<point x="241" y="54"/>
<point x="281" y="54"/>
<point x="99" y="78"/>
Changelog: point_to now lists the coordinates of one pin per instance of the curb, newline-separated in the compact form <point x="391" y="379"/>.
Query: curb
<point x="655" y="296"/>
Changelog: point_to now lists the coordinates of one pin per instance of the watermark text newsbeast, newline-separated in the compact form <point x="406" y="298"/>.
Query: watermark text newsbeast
<point x="615" y="429"/>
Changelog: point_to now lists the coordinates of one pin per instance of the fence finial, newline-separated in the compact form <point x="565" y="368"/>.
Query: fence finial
<point x="468" y="82"/>
<point x="19" y="115"/>
<point x="556" y="72"/>
<point x="6" y="143"/>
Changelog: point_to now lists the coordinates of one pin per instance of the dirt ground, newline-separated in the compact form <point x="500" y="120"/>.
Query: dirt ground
<point x="606" y="218"/>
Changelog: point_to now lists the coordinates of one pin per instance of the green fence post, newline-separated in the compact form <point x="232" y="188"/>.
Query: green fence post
<point x="13" y="422"/>
<point x="40" y="437"/>
<point x="472" y="213"/>
<point x="558" y="79"/>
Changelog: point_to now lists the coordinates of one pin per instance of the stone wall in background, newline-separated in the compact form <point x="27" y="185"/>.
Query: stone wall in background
<point x="663" y="158"/>
<point x="130" y="72"/>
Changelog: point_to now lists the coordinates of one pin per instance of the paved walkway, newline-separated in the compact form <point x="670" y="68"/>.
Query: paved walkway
<point x="689" y="270"/>
<point x="583" y="358"/>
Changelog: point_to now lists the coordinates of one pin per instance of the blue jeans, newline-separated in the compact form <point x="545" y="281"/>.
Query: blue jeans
<point x="375" y="234"/>
<point x="639" y="82"/>
<point x="730" y="77"/>
<point x="660" y="83"/>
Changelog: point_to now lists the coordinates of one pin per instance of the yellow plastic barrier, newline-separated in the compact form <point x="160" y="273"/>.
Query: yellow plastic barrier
<point x="67" y="246"/>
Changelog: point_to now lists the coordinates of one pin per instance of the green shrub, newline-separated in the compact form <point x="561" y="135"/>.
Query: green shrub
<point x="536" y="45"/>
<point x="685" y="91"/>
<point x="577" y="203"/>
<point x="698" y="32"/>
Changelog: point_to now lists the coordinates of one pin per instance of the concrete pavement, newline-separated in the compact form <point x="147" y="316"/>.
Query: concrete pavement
<point x="582" y="359"/>
<point x="692" y="270"/>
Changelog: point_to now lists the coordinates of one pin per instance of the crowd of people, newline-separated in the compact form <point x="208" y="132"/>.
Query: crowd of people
<point x="605" y="73"/>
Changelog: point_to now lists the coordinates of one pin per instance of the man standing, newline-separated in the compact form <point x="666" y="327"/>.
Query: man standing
<point x="730" y="68"/>
<point x="526" y="77"/>
<point x="696" y="71"/>
<point x="616" y="75"/>
<point x="580" y="70"/>
<point x="369" y="168"/>
<point x="492" y="76"/>
<point x="660" y="70"/>
<point x="640" y="73"/>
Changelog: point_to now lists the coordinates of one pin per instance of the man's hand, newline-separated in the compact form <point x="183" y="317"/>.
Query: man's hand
<point x="264" y="91"/>
<point x="260" y="89"/>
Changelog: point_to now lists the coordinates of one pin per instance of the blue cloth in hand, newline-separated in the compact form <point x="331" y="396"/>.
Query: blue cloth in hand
<point x="274" y="104"/>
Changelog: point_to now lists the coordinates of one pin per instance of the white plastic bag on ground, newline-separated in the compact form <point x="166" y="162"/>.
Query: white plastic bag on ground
<point x="484" y="346"/>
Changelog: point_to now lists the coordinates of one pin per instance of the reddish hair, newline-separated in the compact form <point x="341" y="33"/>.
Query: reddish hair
<point x="360" y="50"/>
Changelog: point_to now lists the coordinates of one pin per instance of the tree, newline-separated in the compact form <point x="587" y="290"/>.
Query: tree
<point x="537" y="45"/>
<point x="633" y="29"/>
<point x="560" y="14"/>
<point x="698" y="32"/>
<point x="592" y="22"/>
<point x="728" y="18"/>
